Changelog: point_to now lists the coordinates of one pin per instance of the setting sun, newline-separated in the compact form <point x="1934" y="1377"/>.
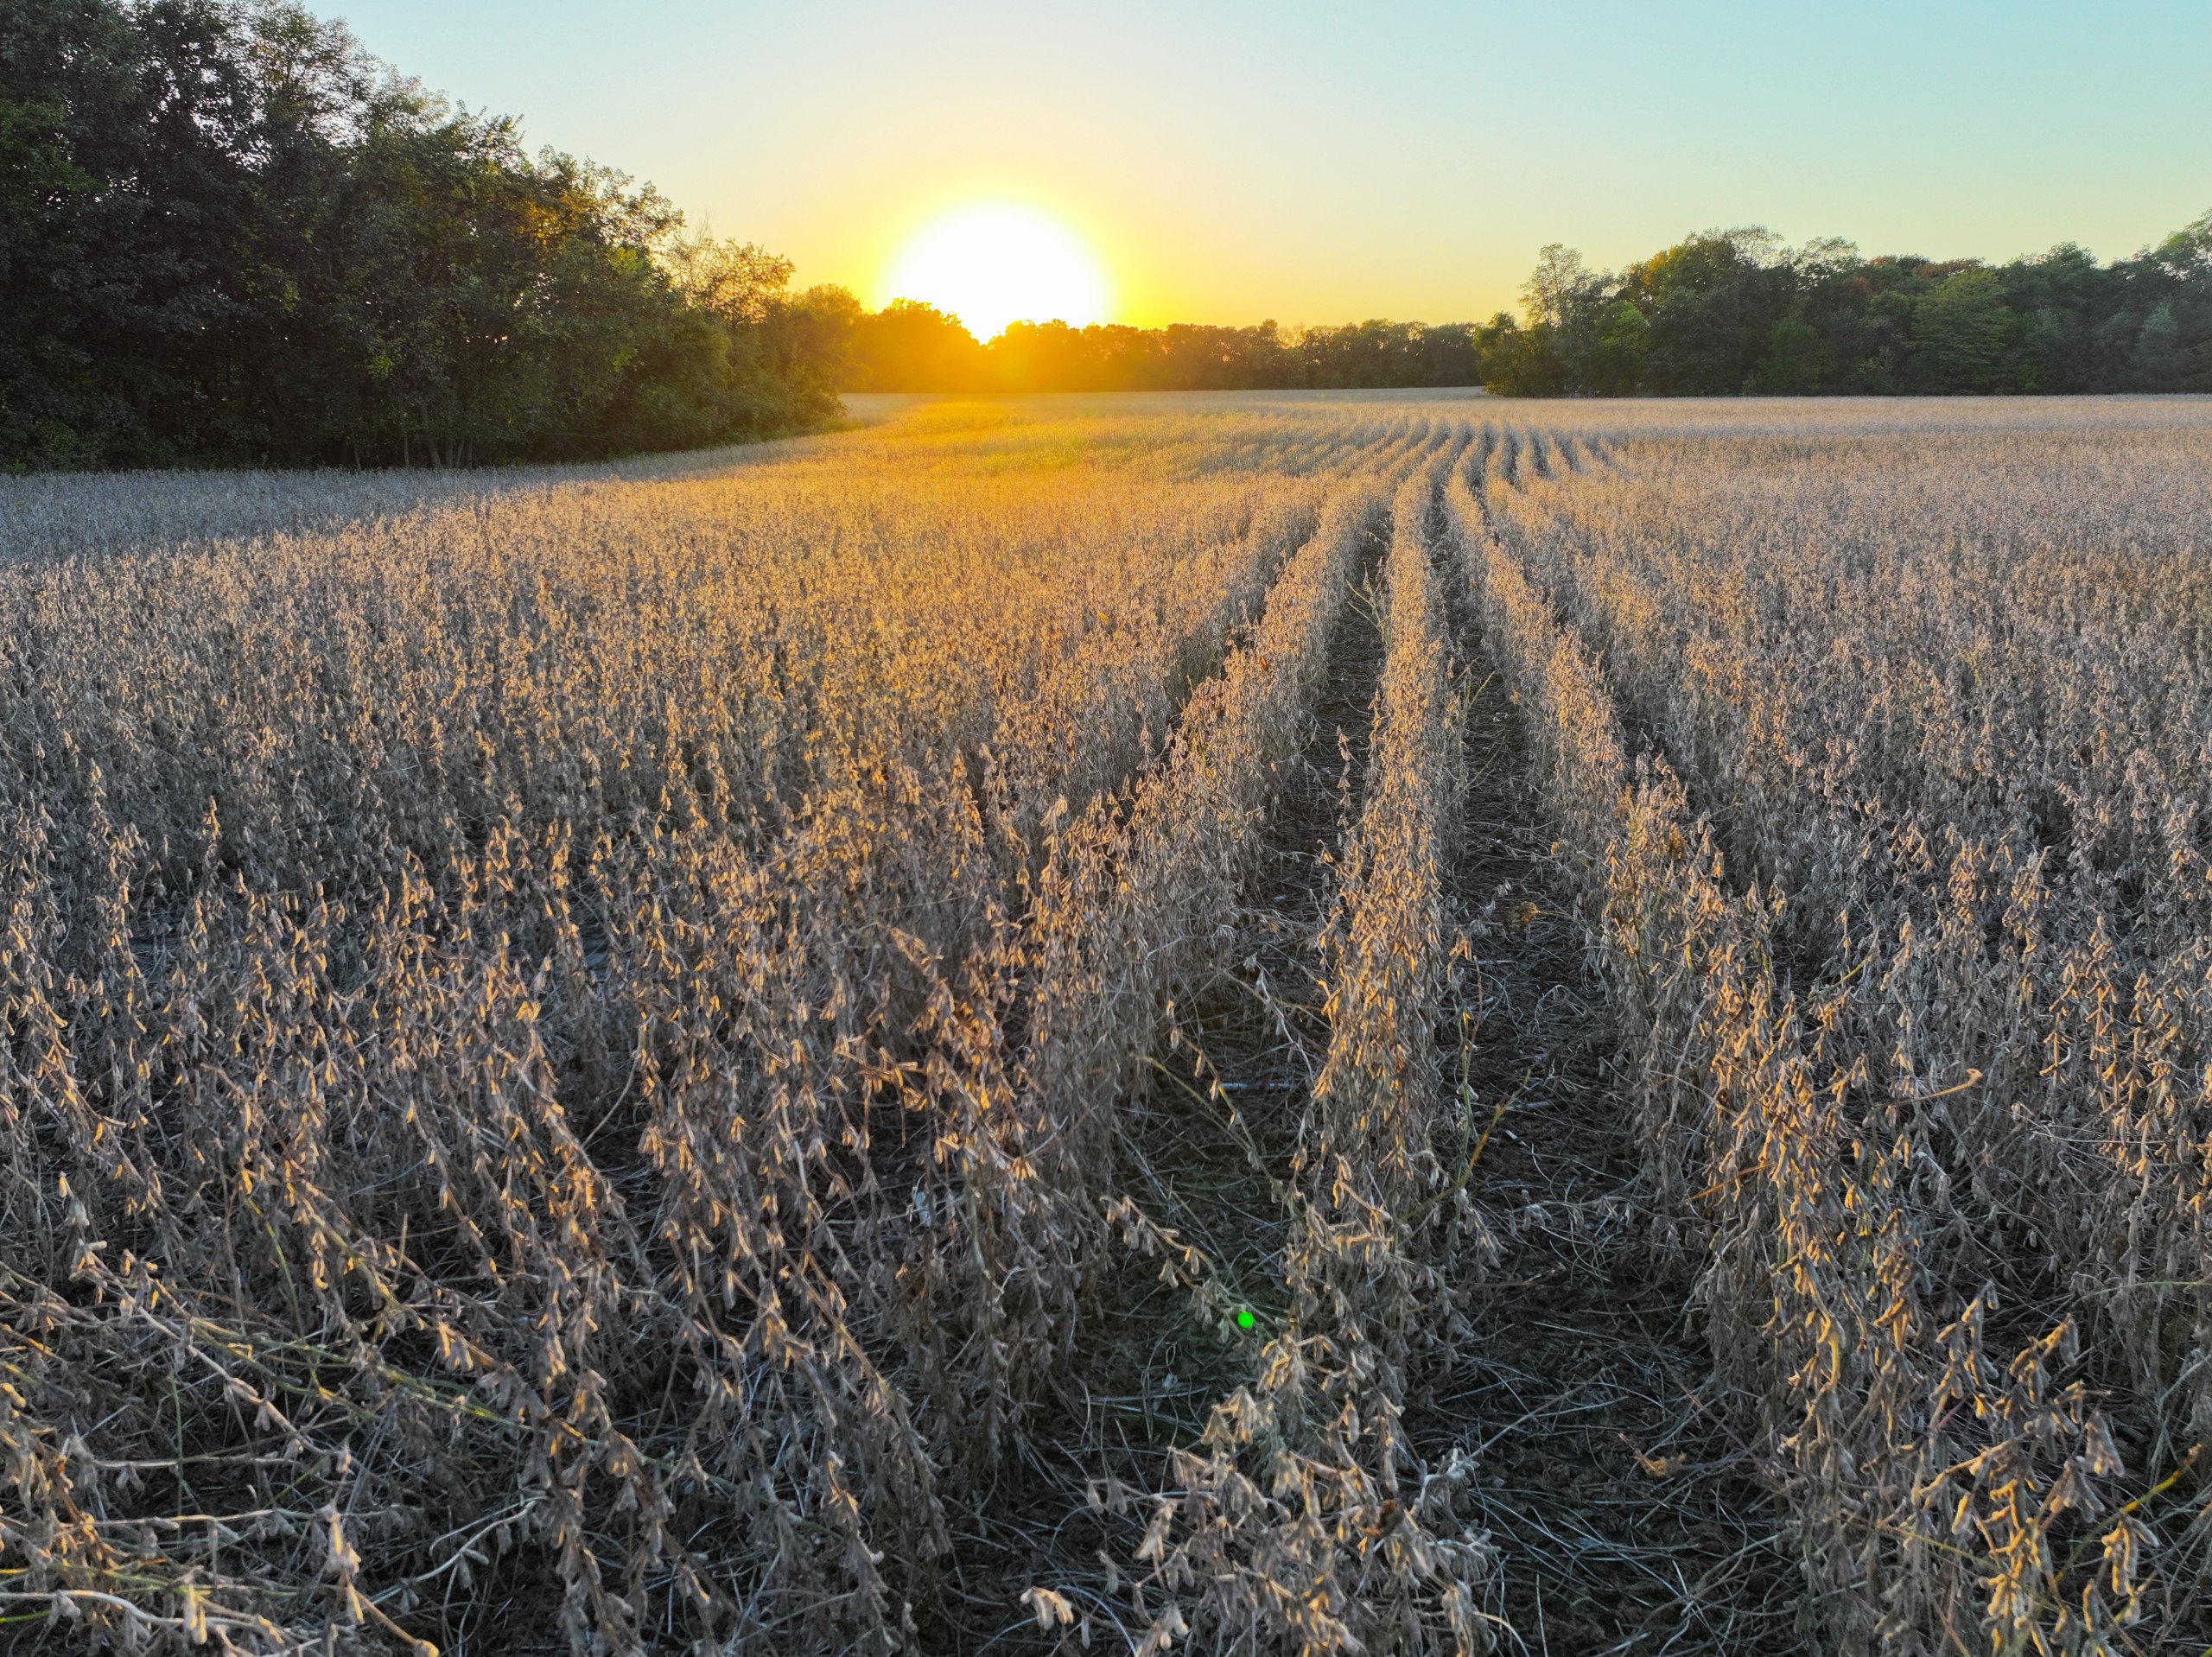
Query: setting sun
<point x="994" y="263"/>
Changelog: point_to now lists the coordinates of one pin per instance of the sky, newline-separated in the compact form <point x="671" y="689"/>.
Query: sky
<point x="1230" y="161"/>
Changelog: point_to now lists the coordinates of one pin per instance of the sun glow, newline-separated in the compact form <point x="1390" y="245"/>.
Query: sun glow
<point x="992" y="262"/>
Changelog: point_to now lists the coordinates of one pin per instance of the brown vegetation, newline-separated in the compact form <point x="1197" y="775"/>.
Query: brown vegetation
<point x="897" y="1045"/>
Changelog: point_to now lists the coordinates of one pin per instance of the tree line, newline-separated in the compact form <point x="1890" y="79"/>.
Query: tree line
<point x="229" y="235"/>
<point x="911" y="347"/>
<point x="1719" y="313"/>
<point x="1731" y="312"/>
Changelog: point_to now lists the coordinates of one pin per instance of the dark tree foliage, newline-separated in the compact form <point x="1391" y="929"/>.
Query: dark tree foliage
<point x="228" y="235"/>
<point x="909" y="347"/>
<point x="1729" y="312"/>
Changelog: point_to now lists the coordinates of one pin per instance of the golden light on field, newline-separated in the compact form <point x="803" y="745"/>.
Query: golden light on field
<point x="992" y="262"/>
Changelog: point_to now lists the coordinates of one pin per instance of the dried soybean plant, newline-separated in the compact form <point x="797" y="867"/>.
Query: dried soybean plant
<point x="570" y="1041"/>
<point x="1304" y="1518"/>
<point x="513" y="1111"/>
<point x="1893" y="669"/>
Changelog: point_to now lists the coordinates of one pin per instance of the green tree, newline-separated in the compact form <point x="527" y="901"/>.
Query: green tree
<point x="1616" y="364"/>
<point x="1732" y="311"/>
<point x="2157" y="358"/>
<point x="1524" y="362"/>
<point x="1713" y="300"/>
<point x="1963" y="334"/>
<point x="229" y="234"/>
<point x="1795" y="362"/>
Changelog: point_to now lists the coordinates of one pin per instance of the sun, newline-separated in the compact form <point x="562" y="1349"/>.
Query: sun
<point x="992" y="262"/>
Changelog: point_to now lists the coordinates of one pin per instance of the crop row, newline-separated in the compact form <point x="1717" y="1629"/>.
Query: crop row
<point x="1304" y="1514"/>
<point x="1953" y="1475"/>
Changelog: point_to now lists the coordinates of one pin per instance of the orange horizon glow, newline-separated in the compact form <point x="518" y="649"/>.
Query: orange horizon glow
<point x="991" y="262"/>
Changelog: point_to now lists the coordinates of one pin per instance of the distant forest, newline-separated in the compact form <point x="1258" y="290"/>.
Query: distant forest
<point x="1721" y="314"/>
<point x="909" y="346"/>
<point x="1729" y="312"/>
<point x="230" y="235"/>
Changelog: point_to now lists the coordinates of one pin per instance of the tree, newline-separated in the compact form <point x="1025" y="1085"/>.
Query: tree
<point x="229" y="234"/>
<point x="1713" y="300"/>
<point x="1963" y="333"/>
<point x="2177" y="275"/>
<point x="1795" y="362"/>
<point x="2157" y="360"/>
<point x="113" y="126"/>
<point x="738" y="281"/>
<point x="1616" y="364"/>
<point x="909" y="345"/>
<point x="1729" y="311"/>
<point x="1560" y="286"/>
<point x="1520" y="362"/>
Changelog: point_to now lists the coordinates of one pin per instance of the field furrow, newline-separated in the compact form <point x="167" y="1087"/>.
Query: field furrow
<point x="1627" y="1507"/>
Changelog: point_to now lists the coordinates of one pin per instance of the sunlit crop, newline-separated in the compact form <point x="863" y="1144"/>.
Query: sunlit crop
<point x="877" y="1043"/>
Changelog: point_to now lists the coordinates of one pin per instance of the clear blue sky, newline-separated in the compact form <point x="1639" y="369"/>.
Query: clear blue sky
<point x="1233" y="160"/>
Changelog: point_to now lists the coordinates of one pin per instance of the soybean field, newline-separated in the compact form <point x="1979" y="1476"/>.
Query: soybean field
<point x="1222" y="1024"/>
